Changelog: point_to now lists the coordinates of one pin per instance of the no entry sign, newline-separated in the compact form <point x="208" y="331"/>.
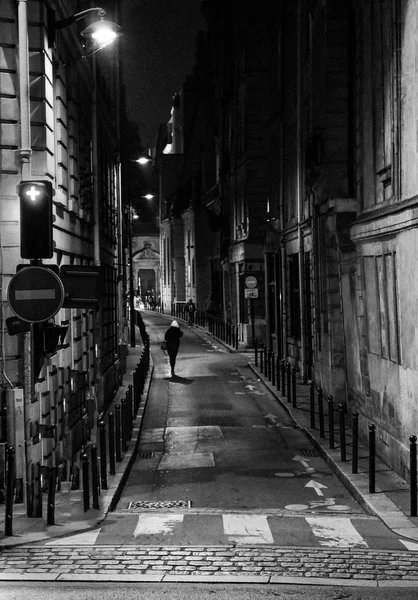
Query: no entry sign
<point x="35" y="294"/>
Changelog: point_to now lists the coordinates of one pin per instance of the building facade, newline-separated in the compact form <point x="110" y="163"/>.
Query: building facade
<point x="54" y="103"/>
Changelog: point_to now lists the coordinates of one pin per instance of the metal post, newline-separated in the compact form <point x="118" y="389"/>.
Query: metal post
<point x="294" y="387"/>
<point x="312" y="402"/>
<point x="117" y="433"/>
<point x="103" y="459"/>
<point x="95" y="477"/>
<point x="86" y="490"/>
<point x="10" y="483"/>
<point x="321" y="413"/>
<point x="289" y="384"/>
<point x="413" y="473"/>
<point x="354" y="421"/>
<point x="372" y="458"/>
<point x="283" y="377"/>
<point x="52" y="482"/>
<point x="111" y="434"/>
<point x="273" y="368"/>
<point x="130" y="411"/>
<point x="255" y="353"/>
<point x="278" y="372"/>
<point x="123" y="424"/>
<point x="269" y="364"/>
<point x="331" y="421"/>
<point x="261" y="359"/>
<point x="343" y="448"/>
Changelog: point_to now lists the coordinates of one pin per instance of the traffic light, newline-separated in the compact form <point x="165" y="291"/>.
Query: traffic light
<point x="36" y="218"/>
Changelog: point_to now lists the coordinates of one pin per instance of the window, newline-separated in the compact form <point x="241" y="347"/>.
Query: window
<point x="381" y="306"/>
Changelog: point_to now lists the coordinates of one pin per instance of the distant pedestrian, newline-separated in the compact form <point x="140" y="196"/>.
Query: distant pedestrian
<point x="172" y="337"/>
<point x="190" y="309"/>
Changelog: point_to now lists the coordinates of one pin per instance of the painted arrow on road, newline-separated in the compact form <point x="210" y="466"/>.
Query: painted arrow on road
<point x="302" y="460"/>
<point x="250" y="387"/>
<point x="316" y="486"/>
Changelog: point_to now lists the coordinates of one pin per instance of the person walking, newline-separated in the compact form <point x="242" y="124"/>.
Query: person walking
<point x="172" y="337"/>
<point x="191" y="309"/>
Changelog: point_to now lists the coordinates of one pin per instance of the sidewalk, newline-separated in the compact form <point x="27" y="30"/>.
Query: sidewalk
<point x="70" y="517"/>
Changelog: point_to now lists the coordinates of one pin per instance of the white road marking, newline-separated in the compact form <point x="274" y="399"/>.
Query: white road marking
<point x="88" y="538"/>
<point x="336" y="533"/>
<point x="410" y="545"/>
<point x="152" y="524"/>
<point x="247" y="529"/>
<point x="240" y="393"/>
<point x="316" y="486"/>
<point x="301" y="459"/>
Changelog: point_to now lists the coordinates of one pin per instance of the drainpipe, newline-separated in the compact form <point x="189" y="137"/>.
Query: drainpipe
<point x="299" y="193"/>
<point x="25" y="153"/>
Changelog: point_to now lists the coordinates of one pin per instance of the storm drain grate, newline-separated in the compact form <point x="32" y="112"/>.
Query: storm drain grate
<point x="160" y="505"/>
<point x="148" y="454"/>
<point x="309" y="452"/>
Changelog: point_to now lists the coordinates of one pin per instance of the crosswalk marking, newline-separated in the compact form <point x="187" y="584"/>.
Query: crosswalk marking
<point x="247" y="529"/>
<point x="336" y="532"/>
<point x="153" y="524"/>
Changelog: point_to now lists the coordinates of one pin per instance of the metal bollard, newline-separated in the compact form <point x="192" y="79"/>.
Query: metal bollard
<point x="372" y="458"/>
<point x="321" y="413"/>
<point x="283" y="368"/>
<point x="354" y="421"/>
<point x="103" y="454"/>
<point x="86" y="490"/>
<point x="10" y="483"/>
<point x="129" y="399"/>
<point x="413" y="473"/>
<point x="117" y="434"/>
<point x="261" y="359"/>
<point x="265" y="359"/>
<point x="343" y="447"/>
<point x="95" y="477"/>
<point x="111" y="435"/>
<point x="255" y="352"/>
<point x="273" y="368"/>
<point x="331" y="421"/>
<point x="312" y="402"/>
<point x="278" y="372"/>
<point x="294" y="387"/>
<point x="124" y="439"/>
<point x="289" y="384"/>
<point x="269" y="352"/>
<point x="52" y="482"/>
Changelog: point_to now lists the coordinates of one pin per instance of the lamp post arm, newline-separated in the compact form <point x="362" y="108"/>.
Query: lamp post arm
<point x="69" y="20"/>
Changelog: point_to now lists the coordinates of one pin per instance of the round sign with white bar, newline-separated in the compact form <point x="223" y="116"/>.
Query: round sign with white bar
<point x="250" y="282"/>
<point x="35" y="294"/>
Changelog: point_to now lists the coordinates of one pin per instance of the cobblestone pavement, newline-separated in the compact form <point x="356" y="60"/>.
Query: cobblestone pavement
<point x="227" y="563"/>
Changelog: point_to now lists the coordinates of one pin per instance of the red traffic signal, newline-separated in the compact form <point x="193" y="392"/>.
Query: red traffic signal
<point x="36" y="218"/>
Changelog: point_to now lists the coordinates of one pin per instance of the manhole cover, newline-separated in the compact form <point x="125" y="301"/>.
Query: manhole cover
<point x="159" y="505"/>
<point x="148" y="454"/>
<point x="309" y="452"/>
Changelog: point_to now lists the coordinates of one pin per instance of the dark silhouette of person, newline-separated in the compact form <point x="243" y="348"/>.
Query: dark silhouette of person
<point x="172" y="337"/>
<point x="191" y="309"/>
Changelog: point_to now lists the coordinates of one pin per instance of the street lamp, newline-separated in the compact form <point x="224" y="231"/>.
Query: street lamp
<point x="98" y="34"/>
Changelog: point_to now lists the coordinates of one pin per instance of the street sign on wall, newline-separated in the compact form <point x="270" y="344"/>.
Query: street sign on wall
<point x="35" y="294"/>
<point x="251" y="293"/>
<point x="250" y="282"/>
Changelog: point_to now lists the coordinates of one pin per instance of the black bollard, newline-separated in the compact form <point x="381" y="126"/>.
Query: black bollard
<point x="269" y="355"/>
<point x="52" y="483"/>
<point x="255" y="352"/>
<point x="331" y="421"/>
<point x="124" y="438"/>
<point x="95" y="477"/>
<point x="289" y="382"/>
<point x="273" y="368"/>
<point x="265" y="360"/>
<point x="283" y="377"/>
<point x="86" y="489"/>
<point x="372" y="458"/>
<point x="278" y="372"/>
<point x="321" y="413"/>
<point x="294" y="387"/>
<point x="261" y="359"/>
<point x="10" y="484"/>
<point x="354" y="421"/>
<point x="312" y="402"/>
<point x="343" y="447"/>
<point x="111" y="434"/>
<point x="103" y="455"/>
<point x="117" y="434"/>
<point x="413" y="473"/>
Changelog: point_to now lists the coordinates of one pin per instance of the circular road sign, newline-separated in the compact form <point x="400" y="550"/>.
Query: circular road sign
<point x="35" y="294"/>
<point x="251" y="282"/>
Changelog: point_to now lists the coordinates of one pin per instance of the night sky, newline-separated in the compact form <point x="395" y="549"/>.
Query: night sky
<point x="158" y="51"/>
